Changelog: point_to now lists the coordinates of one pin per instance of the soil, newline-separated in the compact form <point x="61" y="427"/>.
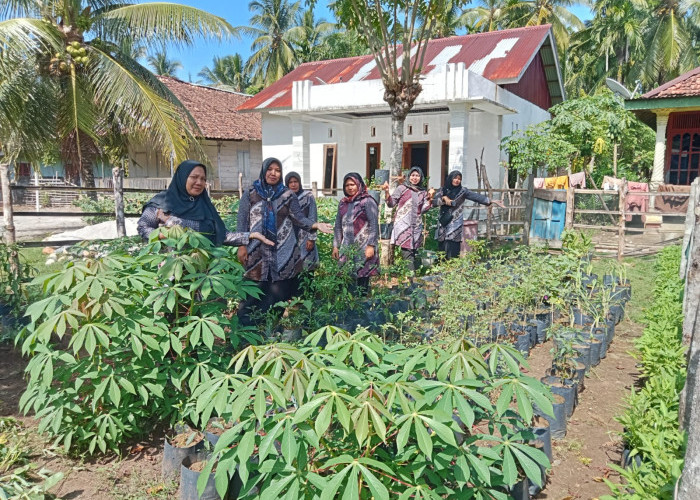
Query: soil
<point x="580" y="463"/>
<point x="199" y="466"/>
<point x="186" y="439"/>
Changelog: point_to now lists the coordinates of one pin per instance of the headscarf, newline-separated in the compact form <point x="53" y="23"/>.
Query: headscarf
<point x="269" y="193"/>
<point x="176" y="201"/>
<point x="448" y="189"/>
<point x="414" y="187"/>
<point x="361" y="188"/>
<point x="293" y="175"/>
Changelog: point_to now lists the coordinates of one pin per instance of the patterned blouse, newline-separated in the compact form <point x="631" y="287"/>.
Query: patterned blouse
<point x="453" y="230"/>
<point x="149" y="222"/>
<point x="308" y="207"/>
<point x="408" y="223"/>
<point x="357" y="224"/>
<point x="282" y="261"/>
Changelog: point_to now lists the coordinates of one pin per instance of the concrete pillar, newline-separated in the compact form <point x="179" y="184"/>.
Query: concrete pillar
<point x="459" y="136"/>
<point x="300" y="149"/>
<point x="657" y="174"/>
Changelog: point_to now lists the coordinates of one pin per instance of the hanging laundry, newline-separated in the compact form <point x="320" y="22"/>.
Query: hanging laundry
<point x="561" y="182"/>
<point x="612" y="183"/>
<point x="578" y="180"/>
<point x="636" y="203"/>
<point x="672" y="204"/>
<point x="539" y="183"/>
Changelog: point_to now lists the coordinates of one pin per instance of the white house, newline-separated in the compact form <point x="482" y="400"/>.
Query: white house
<point x="328" y="118"/>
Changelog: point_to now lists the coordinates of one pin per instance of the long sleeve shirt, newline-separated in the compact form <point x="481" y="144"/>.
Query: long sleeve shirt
<point x="453" y="230"/>
<point x="357" y="225"/>
<point x="282" y="261"/>
<point x="408" y="223"/>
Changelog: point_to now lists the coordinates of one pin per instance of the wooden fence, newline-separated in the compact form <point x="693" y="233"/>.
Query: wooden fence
<point x="630" y="223"/>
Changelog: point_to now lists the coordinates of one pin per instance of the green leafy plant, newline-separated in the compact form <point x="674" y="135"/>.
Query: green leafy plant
<point x="118" y="342"/>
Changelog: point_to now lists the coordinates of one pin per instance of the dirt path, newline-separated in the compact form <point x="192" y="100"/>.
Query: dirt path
<point x="592" y="440"/>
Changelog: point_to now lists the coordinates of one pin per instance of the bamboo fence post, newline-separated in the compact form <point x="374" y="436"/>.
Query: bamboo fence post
<point x="314" y="189"/>
<point x="570" y="200"/>
<point x="118" y="186"/>
<point x="240" y="184"/>
<point x="621" y="227"/>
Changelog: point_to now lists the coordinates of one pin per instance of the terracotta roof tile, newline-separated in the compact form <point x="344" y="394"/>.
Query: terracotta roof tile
<point x="214" y="110"/>
<point x="686" y="85"/>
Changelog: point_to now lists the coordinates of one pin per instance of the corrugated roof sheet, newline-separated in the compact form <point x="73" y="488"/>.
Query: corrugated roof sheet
<point x="686" y="85"/>
<point x="501" y="56"/>
<point x="214" y="110"/>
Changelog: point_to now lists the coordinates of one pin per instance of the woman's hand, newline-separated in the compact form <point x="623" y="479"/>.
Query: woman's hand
<point x="335" y="254"/>
<point x="369" y="252"/>
<point x="431" y="193"/>
<point x="385" y="187"/>
<point x="498" y="203"/>
<point x="310" y="245"/>
<point x="447" y="201"/>
<point x="243" y="255"/>
<point x="259" y="237"/>
<point x="324" y="227"/>
<point x="162" y="217"/>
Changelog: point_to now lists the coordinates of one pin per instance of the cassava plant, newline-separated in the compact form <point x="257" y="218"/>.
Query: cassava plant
<point x="118" y="343"/>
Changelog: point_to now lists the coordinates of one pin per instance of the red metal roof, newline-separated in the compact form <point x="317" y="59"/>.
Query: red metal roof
<point x="214" y="110"/>
<point x="504" y="57"/>
<point x="686" y="85"/>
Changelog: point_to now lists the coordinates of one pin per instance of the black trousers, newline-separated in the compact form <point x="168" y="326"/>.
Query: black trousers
<point x="411" y="258"/>
<point x="251" y="310"/>
<point x="451" y="248"/>
<point x="363" y="286"/>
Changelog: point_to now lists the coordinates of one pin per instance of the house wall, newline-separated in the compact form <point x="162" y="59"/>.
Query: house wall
<point x="485" y="131"/>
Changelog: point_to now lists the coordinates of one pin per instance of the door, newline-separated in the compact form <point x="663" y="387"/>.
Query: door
<point x="445" y="161"/>
<point x="329" y="168"/>
<point x="415" y="154"/>
<point x="373" y="155"/>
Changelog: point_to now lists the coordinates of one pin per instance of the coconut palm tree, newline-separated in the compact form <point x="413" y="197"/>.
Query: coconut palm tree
<point x="313" y="34"/>
<point x="449" y="21"/>
<point x="227" y="71"/>
<point x="90" y="85"/>
<point x="554" y="12"/>
<point x="274" y="29"/>
<point x="162" y="66"/>
<point x="488" y="15"/>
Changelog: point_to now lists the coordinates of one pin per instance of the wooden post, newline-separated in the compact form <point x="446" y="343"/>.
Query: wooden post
<point x="118" y="187"/>
<point x="529" y="202"/>
<point x="691" y="297"/>
<point x="314" y="189"/>
<point x="240" y="184"/>
<point x="8" y="218"/>
<point x="690" y="398"/>
<point x="37" y="204"/>
<point x="570" y="200"/>
<point x="621" y="224"/>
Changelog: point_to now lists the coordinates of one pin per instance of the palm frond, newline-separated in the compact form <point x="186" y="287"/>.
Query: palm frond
<point x="17" y="8"/>
<point x="29" y="35"/>
<point x="124" y="90"/>
<point x="155" y="23"/>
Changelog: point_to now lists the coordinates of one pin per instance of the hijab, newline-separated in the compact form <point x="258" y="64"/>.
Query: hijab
<point x="414" y="187"/>
<point x="269" y="192"/>
<point x="176" y="201"/>
<point x="293" y="175"/>
<point x="361" y="188"/>
<point x="448" y="189"/>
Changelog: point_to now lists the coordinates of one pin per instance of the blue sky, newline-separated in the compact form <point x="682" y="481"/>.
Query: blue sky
<point x="236" y="12"/>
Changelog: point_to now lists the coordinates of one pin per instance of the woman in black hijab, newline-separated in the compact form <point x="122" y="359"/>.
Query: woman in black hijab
<point x="186" y="203"/>
<point x="450" y="199"/>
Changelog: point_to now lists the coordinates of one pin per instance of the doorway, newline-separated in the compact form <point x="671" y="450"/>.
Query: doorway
<point x="329" y="168"/>
<point x="415" y="154"/>
<point x="374" y="151"/>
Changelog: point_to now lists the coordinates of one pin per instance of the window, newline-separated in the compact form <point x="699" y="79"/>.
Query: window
<point x="425" y="129"/>
<point x="330" y="133"/>
<point x="372" y="132"/>
<point x="329" y="168"/>
<point x="244" y="162"/>
<point x="410" y="130"/>
<point x="373" y="159"/>
<point x="684" y="158"/>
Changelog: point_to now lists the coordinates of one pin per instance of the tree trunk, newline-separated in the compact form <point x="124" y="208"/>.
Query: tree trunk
<point x="118" y="185"/>
<point x="690" y="479"/>
<point x="396" y="158"/>
<point x="8" y="218"/>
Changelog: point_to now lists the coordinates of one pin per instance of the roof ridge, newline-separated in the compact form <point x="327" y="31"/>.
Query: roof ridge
<point x="679" y="79"/>
<point x="202" y="86"/>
